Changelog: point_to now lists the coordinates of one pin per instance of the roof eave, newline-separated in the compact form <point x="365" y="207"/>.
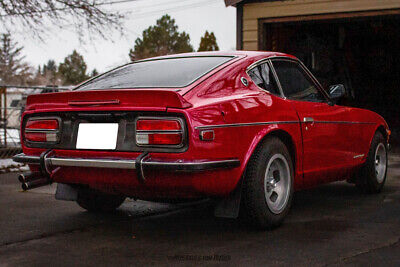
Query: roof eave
<point x="232" y="2"/>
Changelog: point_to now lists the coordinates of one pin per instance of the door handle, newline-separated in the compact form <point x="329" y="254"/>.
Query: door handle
<point x="308" y="120"/>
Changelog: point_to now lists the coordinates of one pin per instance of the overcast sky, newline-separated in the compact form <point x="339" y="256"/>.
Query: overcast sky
<point x="191" y="16"/>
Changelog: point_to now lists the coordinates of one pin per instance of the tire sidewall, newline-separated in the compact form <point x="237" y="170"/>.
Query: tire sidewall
<point x="264" y="216"/>
<point x="371" y="178"/>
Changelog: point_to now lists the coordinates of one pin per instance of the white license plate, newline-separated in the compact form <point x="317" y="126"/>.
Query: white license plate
<point x="97" y="136"/>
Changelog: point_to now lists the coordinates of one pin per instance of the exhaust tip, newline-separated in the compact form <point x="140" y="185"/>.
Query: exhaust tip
<point x="24" y="186"/>
<point x="21" y="178"/>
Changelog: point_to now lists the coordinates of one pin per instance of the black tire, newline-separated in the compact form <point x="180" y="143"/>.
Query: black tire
<point x="95" y="201"/>
<point x="369" y="180"/>
<point x="255" y="210"/>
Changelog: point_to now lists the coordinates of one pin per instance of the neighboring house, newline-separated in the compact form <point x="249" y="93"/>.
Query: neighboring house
<point x="355" y="42"/>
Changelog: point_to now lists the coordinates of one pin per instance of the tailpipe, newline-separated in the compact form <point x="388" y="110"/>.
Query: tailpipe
<point x="33" y="180"/>
<point x="23" y="178"/>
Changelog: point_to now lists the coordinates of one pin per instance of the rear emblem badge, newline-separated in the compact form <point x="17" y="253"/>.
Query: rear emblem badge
<point x="244" y="81"/>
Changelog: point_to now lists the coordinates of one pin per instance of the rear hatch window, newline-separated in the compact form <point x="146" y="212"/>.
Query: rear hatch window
<point x="156" y="73"/>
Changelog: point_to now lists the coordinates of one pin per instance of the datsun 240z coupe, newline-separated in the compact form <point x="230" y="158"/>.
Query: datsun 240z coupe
<point x="244" y="128"/>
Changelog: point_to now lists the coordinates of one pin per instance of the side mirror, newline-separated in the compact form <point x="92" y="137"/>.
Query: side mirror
<point x="336" y="92"/>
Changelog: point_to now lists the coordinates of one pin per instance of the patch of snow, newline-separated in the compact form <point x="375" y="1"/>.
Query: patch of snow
<point x="8" y="165"/>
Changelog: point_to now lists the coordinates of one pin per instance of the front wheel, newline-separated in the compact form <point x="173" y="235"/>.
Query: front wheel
<point x="268" y="185"/>
<point x="372" y="175"/>
<point x="95" y="201"/>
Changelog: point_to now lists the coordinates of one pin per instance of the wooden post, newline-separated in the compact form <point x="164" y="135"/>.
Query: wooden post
<point x="3" y="112"/>
<point x="5" y="116"/>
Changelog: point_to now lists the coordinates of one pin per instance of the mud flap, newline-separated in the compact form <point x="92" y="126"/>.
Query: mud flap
<point x="66" y="192"/>
<point x="229" y="207"/>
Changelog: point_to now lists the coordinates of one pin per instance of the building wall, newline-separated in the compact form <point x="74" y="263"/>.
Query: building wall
<point x="254" y="11"/>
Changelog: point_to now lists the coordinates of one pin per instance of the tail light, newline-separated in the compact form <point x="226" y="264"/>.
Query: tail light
<point x="159" y="132"/>
<point x="42" y="130"/>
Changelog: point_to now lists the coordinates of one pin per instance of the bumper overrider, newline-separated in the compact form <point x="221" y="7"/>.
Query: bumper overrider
<point x="48" y="161"/>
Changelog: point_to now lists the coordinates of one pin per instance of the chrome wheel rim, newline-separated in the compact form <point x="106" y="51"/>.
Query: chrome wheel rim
<point x="380" y="162"/>
<point x="277" y="183"/>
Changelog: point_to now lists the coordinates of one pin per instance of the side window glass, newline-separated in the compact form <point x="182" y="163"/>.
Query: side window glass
<point x="255" y="75"/>
<point x="295" y="82"/>
<point x="262" y="76"/>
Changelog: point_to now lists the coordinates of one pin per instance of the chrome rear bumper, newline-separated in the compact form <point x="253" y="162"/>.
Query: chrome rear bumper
<point x="144" y="163"/>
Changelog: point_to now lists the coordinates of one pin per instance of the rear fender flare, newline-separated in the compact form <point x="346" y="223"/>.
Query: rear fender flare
<point x="260" y="137"/>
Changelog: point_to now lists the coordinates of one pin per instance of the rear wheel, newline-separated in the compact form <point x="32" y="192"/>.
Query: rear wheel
<point x="372" y="175"/>
<point x="95" y="201"/>
<point x="268" y="185"/>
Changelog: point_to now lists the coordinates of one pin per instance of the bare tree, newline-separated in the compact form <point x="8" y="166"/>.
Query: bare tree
<point x="84" y="16"/>
<point x="13" y="71"/>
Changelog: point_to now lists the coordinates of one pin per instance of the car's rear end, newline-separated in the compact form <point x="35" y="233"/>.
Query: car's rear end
<point x="119" y="136"/>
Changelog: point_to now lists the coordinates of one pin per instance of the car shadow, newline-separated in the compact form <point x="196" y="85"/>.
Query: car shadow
<point x="325" y="207"/>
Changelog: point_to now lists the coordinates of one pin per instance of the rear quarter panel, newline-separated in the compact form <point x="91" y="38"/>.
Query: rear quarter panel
<point x="224" y="104"/>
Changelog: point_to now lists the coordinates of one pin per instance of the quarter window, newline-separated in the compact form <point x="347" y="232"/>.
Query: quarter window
<point x="295" y="82"/>
<point x="262" y="76"/>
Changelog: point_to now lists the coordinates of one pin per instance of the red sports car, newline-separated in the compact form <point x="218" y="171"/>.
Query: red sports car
<point x="244" y="128"/>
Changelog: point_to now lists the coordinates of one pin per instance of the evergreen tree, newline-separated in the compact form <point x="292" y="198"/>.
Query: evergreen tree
<point x="50" y="72"/>
<point x="94" y="73"/>
<point x="73" y="69"/>
<point x="208" y="42"/>
<point x="161" y="39"/>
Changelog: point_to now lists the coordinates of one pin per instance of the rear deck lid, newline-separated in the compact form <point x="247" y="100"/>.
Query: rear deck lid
<point x="133" y="98"/>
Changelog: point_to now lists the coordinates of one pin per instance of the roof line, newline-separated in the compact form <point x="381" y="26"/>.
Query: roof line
<point x="232" y="2"/>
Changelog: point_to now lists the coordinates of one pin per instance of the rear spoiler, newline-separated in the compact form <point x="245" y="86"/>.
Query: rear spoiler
<point x="125" y="98"/>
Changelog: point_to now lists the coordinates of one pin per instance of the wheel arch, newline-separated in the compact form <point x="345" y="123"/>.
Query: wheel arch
<point x="382" y="130"/>
<point x="229" y="207"/>
<point x="283" y="135"/>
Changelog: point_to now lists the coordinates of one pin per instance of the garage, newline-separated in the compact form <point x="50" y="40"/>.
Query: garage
<point x="353" y="42"/>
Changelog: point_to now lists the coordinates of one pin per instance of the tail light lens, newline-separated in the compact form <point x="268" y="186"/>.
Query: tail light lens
<point x="42" y="130"/>
<point x="159" y="132"/>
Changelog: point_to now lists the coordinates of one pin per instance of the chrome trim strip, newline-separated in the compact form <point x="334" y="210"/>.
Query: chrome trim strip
<point x="256" y="63"/>
<point x="159" y="131"/>
<point x="308" y="120"/>
<point x="95" y="163"/>
<point x="345" y="122"/>
<point x="22" y="158"/>
<point x="358" y="156"/>
<point x="146" y="163"/>
<point x="243" y="124"/>
<point x="41" y="131"/>
<point x="272" y="122"/>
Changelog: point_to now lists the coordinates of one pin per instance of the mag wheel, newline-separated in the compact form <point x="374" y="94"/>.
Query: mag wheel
<point x="95" y="201"/>
<point x="277" y="183"/>
<point x="268" y="185"/>
<point x="372" y="175"/>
